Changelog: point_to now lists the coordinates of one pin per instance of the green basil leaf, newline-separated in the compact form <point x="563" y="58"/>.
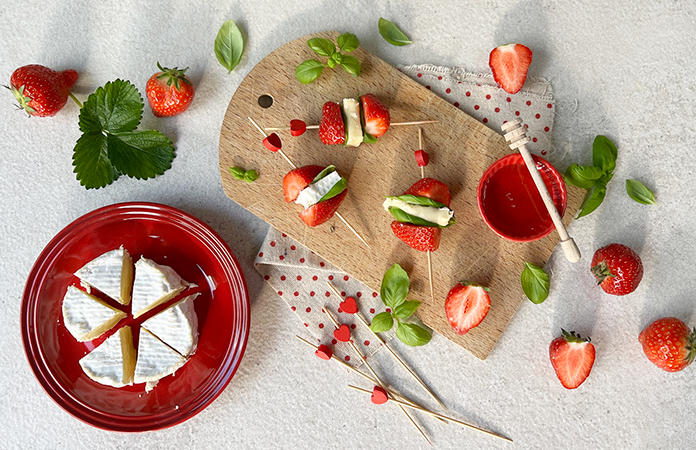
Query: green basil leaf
<point x="382" y="322"/>
<point x="395" y="286"/>
<point x="115" y="107"/>
<point x="593" y="199"/>
<point x="251" y="175"/>
<point x="418" y="200"/>
<point x="402" y="216"/>
<point x="327" y="170"/>
<point x="406" y="309"/>
<point x="582" y="176"/>
<point x="321" y="46"/>
<point x="392" y="34"/>
<point x="336" y="189"/>
<point x="604" y="154"/>
<point x="640" y="193"/>
<point x="237" y="172"/>
<point x="347" y="42"/>
<point x="351" y="65"/>
<point x="368" y="138"/>
<point x="93" y="168"/>
<point x="140" y="154"/>
<point x="309" y="71"/>
<point x="535" y="283"/>
<point x="229" y="45"/>
<point x="412" y="335"/>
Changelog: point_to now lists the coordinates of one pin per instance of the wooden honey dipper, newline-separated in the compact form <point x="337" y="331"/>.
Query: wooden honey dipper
<point x="516" y="135"/>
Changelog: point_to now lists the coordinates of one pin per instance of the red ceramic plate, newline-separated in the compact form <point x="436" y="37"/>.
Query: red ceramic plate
<point x="168" y="236"/>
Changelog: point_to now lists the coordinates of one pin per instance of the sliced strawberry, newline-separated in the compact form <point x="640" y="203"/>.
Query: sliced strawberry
<point x="431" y="188"/>
<point x="466" y="306"/>
<point x="509" y="64"/>
<point x="332" y="129"/>
<point x="375" y="115"/>
<point x="322" y="211"/>
<point x="298" y="179"/>
<point x="572" y="358"/>
<point x="416" y="236"/>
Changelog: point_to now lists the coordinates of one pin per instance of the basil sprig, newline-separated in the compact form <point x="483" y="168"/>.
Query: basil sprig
<point x="535" y="283"/>
<point x="594" y="178"/>
<point x="311" y="69"/>
<point x="392" y="34"/>
<point x="640" y="193"/>
<point x="394" y="290"/>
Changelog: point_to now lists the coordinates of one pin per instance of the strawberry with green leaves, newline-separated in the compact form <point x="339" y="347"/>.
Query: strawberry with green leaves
<point x="572" y="357"/>
<point x="669" y="344"/>
<point x="169" y="91"/>
<point x="617" y="268"/>
<point x="41" y="91"/>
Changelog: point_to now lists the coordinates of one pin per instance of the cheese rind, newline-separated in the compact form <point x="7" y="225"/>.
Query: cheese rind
<point x="439" y="216"/>
<point x="351" y="109"/>
<point x="86" y="316"/>
<point x="176" y="326"/>
<point x="156" y="359"/>
<point x="315" y="191"/>
<point x="111" y="363"/>
<point x="111" y="273"/>
<point x="154" y="284"/>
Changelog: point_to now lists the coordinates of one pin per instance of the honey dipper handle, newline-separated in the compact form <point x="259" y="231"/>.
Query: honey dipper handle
<point x="516" y="135"/>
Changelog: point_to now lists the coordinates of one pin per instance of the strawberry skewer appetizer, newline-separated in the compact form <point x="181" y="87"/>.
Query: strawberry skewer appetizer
<point x="320" y="190"/>
<point x="351" y="122"/>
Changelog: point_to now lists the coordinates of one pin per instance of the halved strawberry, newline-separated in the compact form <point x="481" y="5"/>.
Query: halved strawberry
<point x="419" y="237"/>
<point x="322" y="211"/>
<point x="375" y="115"/>
<point x="509" y="64"/>
<point x="298" y="179"/>
<point x="572" y="358"/>
<point x="466" y="306"/>
<point x="431" y="188"/>
<point x="332" y="129"/>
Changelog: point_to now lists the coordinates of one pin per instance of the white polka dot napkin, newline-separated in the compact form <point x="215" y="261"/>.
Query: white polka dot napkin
<point x="300" y="277"/>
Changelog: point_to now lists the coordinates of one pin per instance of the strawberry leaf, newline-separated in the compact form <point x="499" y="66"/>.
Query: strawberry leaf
<point x="92" y="165"/>
<point x="640" y="193"/>
<point x="140" y="154"/>
<point x="113" y="108"/>
<point x="229" y="45"/>
<point x="406" y="309"/>
<point x="395" y="286"/>
<point x="412" y="334"/>
<point x="382" y="322"/>
<point x="535" y="283"/>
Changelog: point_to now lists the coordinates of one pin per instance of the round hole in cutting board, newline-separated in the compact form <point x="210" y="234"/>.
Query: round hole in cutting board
<point x="265" y="101"/>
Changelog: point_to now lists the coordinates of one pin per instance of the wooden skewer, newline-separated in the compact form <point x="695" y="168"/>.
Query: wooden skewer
<point x="516" y="135"/>
<point x="339" y="215"/>
<point x="434" y="414"/>
<point x="374" y="374"/>
<point x="316" y="127"/>
<point x="391" y="350"/>
<point x="430" y="260"/>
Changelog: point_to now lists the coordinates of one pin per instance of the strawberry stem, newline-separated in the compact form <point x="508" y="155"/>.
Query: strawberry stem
<point x="75" y="100"/>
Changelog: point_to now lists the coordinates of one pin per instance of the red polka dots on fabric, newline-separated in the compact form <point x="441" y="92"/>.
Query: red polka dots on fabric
<point x="439" y="78"/>
<point x="282" y="278"/>
<point x="538" y="116"/>
<point x="296" y="294"/>
<point x="366" y="343"/>
<point x="488" y="96"/>
<point x="321" y="263"/>
<point x="261" y="255"/>
<point x="420" y="75"/>
<point x="321" y="325"/>
<point x="549" y="106"/>
<point x="302" y="260"/>
<point x="347" y="358"/>
<point x="292" y="247"/>
<point x="427" y="87"/>
<point x="266" y="277"/>
<point x="529" y="103"/>
<point x="346" y="278"/>
<point x="328" y="294"/>
<point x="546" y="129"/>
<point x="456" y="104"/>
<point x="477" y="107"/>
<point x="312" y="293"/>
<point x="372" y="310"/>
<point x="330" y="277"/>
<point x="299" y="278"/>
<point x="497" y="110"/>
<point x="358" y="294"/>
<point x="508" y="99"/>
<point x="315" y="278"/>
<point x="293" y="308"/>
<point x="468" y="94"/>
<point x="281" y="257"/>
<point x="309" y="310"/>
<point x="280" y="292"/>
<point x="374" y="294"/>
<point x="448" y="90"/>
<point x="273" y="244"/>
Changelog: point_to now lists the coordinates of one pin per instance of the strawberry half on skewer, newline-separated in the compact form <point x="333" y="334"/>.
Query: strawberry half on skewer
<point x="353" y="121"/>
<point x="421" y="212"/>
<point x="320" y="190"/>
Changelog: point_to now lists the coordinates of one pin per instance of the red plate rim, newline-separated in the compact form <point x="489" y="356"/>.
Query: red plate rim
<point x="225" y="371"/>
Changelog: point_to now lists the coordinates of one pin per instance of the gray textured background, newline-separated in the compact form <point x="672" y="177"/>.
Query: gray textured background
<point x="624" y="70"/>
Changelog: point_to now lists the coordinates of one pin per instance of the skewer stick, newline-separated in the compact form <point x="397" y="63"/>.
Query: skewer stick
<point x="374" y="374"/>
<point x="516" y="135"/>
<point x="430" y="260"/>
<point x="391" y="350"/>
<point x="316" y="127"/>
<point x="440" y="416"/>
<point x="339" y="215"/>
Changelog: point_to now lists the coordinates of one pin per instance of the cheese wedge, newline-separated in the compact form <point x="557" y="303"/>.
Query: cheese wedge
<point x="111" y="273"/>
<point x="156" y="360"/>
<point x="113" y="362"/>
<point x="176" y="326"/>
<point x="86" y="316"/>
<point x="154" y="284"/>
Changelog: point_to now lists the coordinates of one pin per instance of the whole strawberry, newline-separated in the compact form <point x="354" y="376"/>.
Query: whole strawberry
<point x="169" y="92"/>
<point x="669" y="344"/>
<point x="41" y="91"/>
<point x="572" y="357"/>
<point x="618" y="269"/>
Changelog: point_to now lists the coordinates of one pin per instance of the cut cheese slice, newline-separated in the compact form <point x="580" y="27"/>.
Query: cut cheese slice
<point x="156" y="360"/>
<point x="154" y="284"/>
<point x="351" y="110"/>
<point x="86" y="316"/>
<point x="176" y="326"/>
<point x="113" y="362"/>
<point x="111" y="273"/>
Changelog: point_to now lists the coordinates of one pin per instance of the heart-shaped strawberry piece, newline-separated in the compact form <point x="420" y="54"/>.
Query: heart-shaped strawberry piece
<point x="379" y="395"/>
<point x="422" y="158"/>
<point x="273" y="143"/>
<point x="349" y="305"/>
<point x="324" y="352"/>
<point x="297" y="127"/>
<point x="342" y="333"/>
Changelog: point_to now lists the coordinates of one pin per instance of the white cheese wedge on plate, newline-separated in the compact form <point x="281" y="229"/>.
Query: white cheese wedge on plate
<point x="113" y="362"/>
<point x="153" y="285"/>
<point x="111" y="273"/>
<point x="176" y="326"/>
<point x="155" y="361"/>
<point x="86" y="316"/>
<point x="315" y="191"/>
<point x="440" y="216"/>
<point x="351" y="109"/>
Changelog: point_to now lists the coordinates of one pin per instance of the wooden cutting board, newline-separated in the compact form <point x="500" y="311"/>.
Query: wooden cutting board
<point x="460" y="149"/>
